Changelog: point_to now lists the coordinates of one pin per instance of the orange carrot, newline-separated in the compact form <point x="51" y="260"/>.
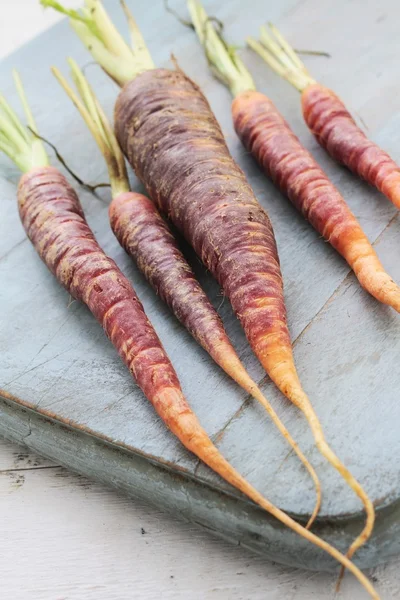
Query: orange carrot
<point x="328" y="118"/>
<point x="144" y="234"/>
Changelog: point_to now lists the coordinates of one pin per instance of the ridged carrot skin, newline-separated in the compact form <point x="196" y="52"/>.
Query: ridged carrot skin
<point x="54" y="222"/>
<point x="145" y="236"/>
<point x="268" y="137"/>
<point x="167" y="130"/>
<point x="336" y="131"/>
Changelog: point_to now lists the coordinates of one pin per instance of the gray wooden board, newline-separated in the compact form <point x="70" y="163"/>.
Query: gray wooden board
<point x="56" y="360"/>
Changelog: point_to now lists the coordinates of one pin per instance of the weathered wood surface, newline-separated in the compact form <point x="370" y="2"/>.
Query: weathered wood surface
<point x="96" y="544"/>
<point x="56" y="358"/>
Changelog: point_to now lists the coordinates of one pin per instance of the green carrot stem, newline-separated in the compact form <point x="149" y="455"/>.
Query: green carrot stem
<point x="280" y="56"/>
<point x="223" y="59"/>
<point x="97" y="32"/>
<point x="97" y="122"/>
<point x="18" y="142"/>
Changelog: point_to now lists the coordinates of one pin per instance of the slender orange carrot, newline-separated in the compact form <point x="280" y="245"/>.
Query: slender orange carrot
<point x="144" y="234"/>
<point x="328" y="118"/>
<point x="268" y="137"/>
<point x="170" y="136"/>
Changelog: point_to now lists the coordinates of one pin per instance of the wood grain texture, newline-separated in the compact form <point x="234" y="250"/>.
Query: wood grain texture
<point x="95" y="544"/>
<point x="345" y="343"/>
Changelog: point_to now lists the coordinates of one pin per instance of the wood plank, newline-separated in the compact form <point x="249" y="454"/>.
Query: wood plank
<point x="92" y="546"/>
<point x="65" y="367"/>
<point x="19" y="458"/>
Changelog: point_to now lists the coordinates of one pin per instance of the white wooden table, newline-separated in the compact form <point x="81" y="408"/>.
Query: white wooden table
<point x="64" y="537"/>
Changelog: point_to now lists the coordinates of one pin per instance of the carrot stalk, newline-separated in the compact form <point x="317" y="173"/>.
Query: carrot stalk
<point x="144" y="234"/>
<point x="328" y="118"/>
<point x="268" y="137"/>
<point x="171" y="138"/>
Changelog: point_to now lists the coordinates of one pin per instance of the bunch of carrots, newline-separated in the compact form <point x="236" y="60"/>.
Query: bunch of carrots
<point x="165" y="128"/>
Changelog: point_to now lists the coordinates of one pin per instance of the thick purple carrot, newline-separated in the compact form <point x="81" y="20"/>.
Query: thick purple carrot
<point x="170" y="136"/>
<point x="144" y="234"/>
<point x="53" y="219"/>
<point x="328" y="118"/>
<point x="167" y="130"/>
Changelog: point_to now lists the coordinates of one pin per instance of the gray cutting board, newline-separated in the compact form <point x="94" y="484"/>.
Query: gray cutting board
<point x="68" y="396"/>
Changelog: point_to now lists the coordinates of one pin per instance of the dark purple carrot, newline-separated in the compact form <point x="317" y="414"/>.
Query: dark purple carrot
<point x="170" y="136"/>
<point x="328" y="118"/>
<point x="144" y="234"/>
<point x="54" y="221"/>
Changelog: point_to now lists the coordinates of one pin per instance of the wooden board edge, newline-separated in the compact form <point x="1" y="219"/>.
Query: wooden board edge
<point x="227" y="516"/>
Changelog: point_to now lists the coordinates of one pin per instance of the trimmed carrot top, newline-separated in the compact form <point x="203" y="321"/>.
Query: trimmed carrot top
<point x="20" y="143"/>
<point x="280" y="56"/>
<point x="99" y="126"/>
<point x="224" y="61"/>
<point x="98" y="33"/>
